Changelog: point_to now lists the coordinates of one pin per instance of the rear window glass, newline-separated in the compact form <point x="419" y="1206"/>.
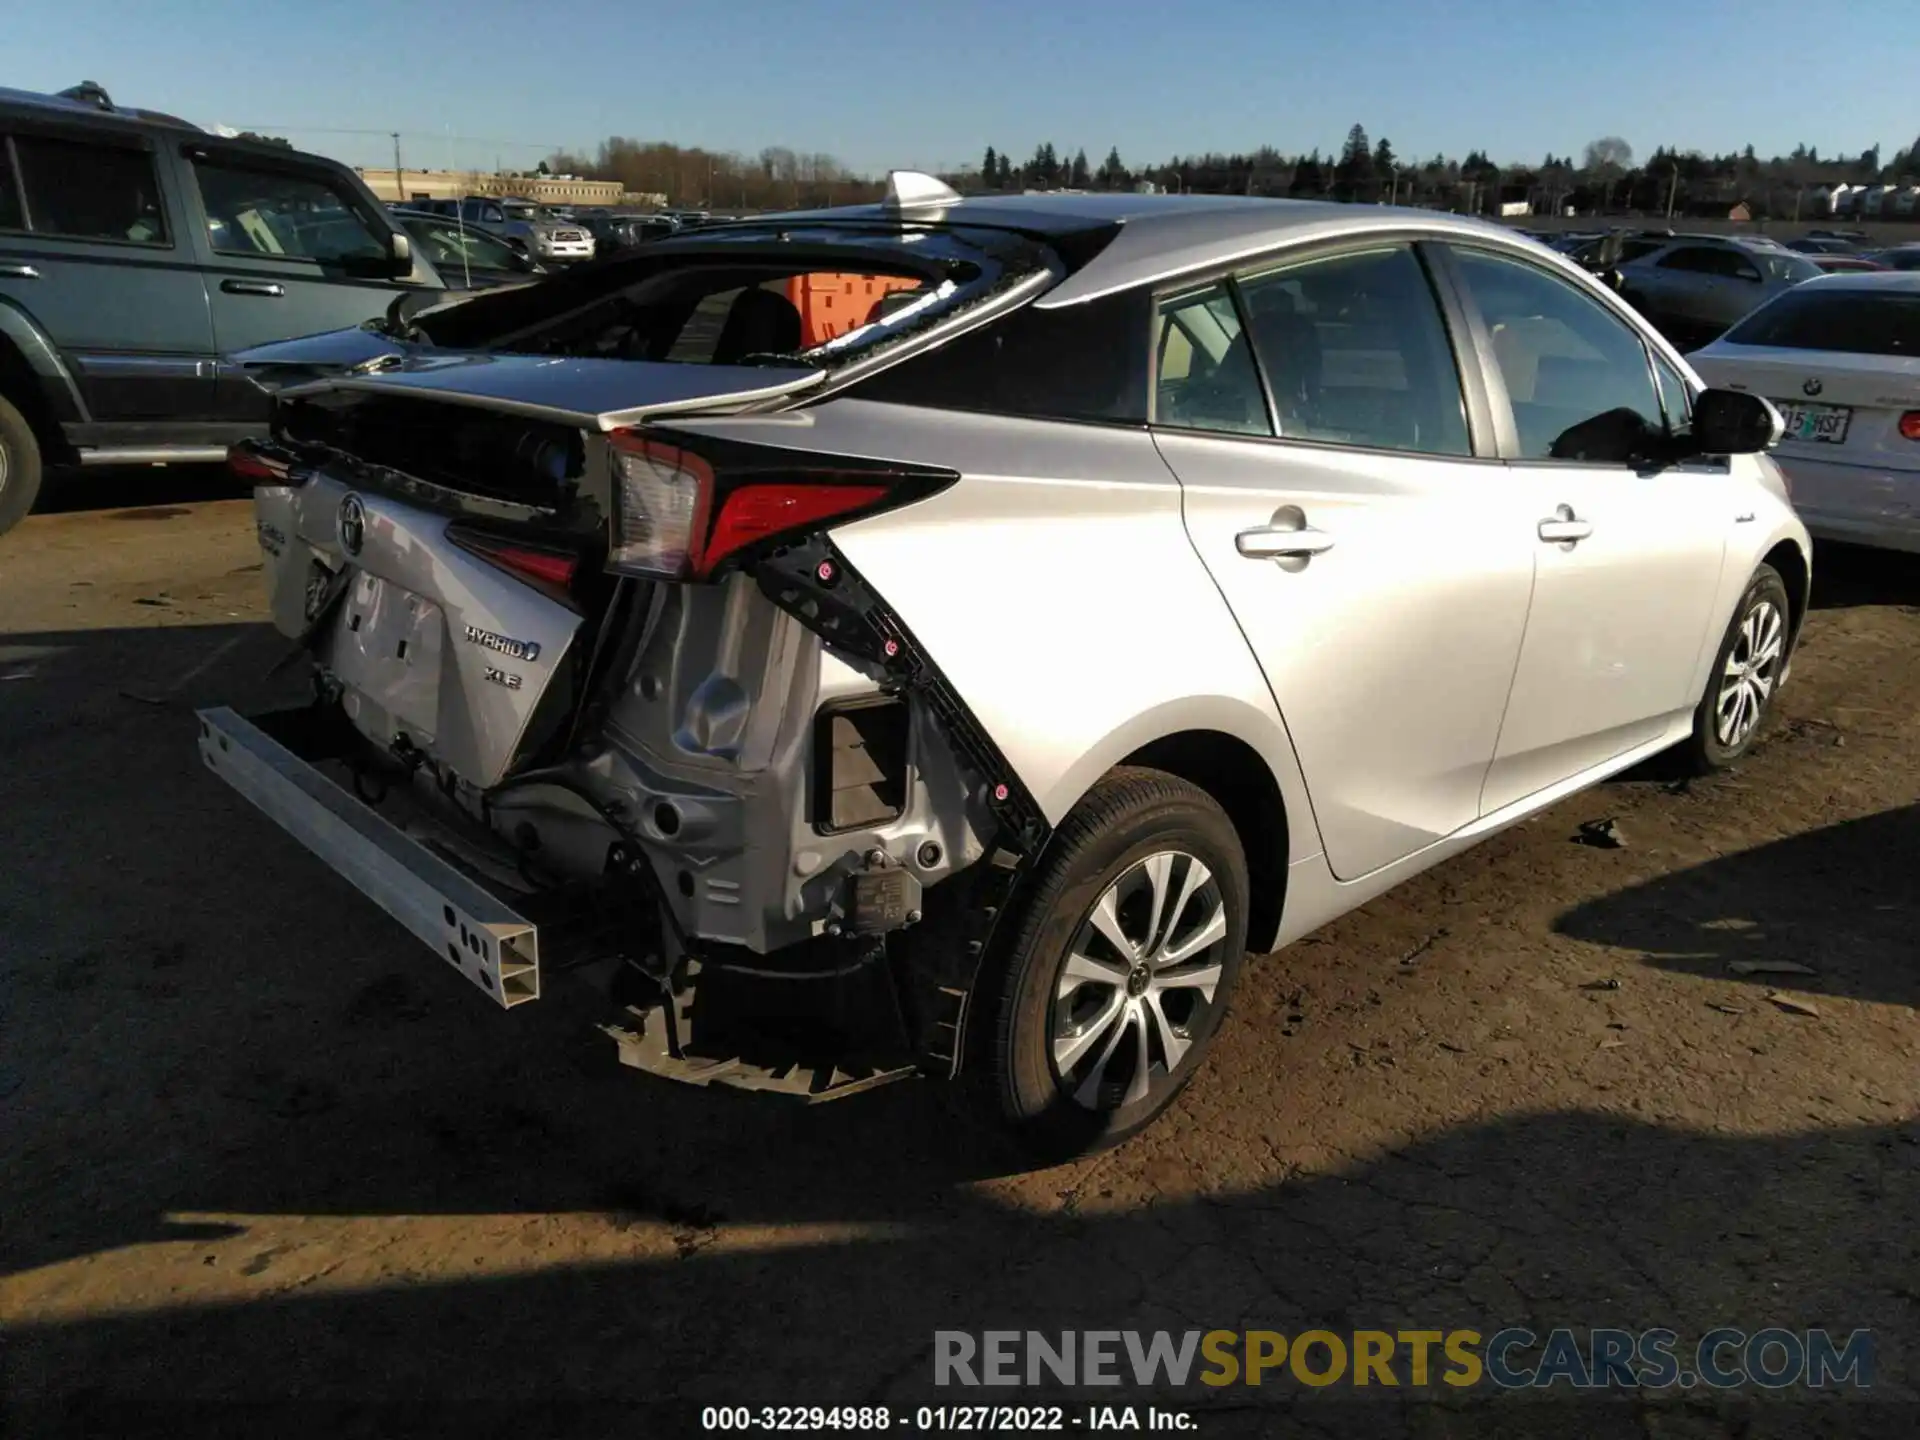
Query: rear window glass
<point x="1853" y="322"/>
<point x="1083" y="362"/>
<point x="798" y="295"/>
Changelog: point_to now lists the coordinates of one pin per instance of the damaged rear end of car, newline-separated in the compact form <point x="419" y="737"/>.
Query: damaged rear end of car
<point x="589" y="687"/>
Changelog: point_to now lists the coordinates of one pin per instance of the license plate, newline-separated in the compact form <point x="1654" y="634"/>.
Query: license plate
<point x="1821" y="424"/>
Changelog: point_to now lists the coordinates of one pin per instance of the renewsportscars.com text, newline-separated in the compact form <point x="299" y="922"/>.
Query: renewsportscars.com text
<point x="1598" y="1359"/>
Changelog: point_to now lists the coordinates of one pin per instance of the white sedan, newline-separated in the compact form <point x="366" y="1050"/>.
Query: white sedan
<point x="1840" y="357"/>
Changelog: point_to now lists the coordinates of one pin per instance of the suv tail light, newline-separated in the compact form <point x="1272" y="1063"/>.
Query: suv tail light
<point x="682" y="513"/>
<point x="1910" y="425"/>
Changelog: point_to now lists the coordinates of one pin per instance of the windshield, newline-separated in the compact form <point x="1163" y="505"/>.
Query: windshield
<point x="799" y="295"/>
<point x="1850" y="322"/>
<point x="1784" y="264"/>
<point x="451" y="247"/>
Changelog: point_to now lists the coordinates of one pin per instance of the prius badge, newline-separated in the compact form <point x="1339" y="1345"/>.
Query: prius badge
<point x="353" y="524"/>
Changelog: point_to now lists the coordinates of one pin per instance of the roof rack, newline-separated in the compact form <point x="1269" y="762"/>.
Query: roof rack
<point x="89" y="92"/>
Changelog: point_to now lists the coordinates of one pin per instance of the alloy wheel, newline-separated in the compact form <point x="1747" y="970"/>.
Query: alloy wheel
<point x="1138" y="983"/>
<point x="1751" y="671"/>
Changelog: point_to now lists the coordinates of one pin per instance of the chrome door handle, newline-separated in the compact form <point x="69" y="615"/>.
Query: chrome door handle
<point x="1564" y="528"/>
<point x="254" y="287"/>
<point x="1269" y="543"/>
<point x="19" y="272"/>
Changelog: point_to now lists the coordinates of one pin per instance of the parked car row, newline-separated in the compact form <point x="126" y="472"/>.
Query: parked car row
<point x="136" y="251"/>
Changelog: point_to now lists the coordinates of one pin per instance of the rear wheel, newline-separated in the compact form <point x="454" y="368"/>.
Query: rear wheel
<point x="19" y="466"/>
<point x="1745" y="677"/>
<point x="1120" y="971"/>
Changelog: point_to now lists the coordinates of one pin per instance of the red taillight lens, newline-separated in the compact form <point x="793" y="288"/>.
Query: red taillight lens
<point x="245" y="463"/>
<point x="552" y="571"/>
<point x="1910" y="425"/>
<point x="753" y="512"/>
<point x="675" y="521"/>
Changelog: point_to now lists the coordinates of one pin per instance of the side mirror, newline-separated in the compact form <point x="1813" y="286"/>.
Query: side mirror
<point x="400" y="253"/>
<point x="1732" y="422"/>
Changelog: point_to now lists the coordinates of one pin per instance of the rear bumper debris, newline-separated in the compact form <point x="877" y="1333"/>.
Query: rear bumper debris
<point x="494" y="948"/>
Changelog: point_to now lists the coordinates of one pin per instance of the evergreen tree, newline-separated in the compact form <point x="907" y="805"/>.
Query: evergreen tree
<point x="990" y="166"/>
<point x="1079" y="178"/>
<point x="1005" y="179"/>
<point x="1308" y="177"/>
<point x="1112" y="174"/>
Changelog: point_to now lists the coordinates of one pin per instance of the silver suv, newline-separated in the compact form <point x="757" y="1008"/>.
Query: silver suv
<point x="1136" y="581"/>
<point x="533" y="230"/>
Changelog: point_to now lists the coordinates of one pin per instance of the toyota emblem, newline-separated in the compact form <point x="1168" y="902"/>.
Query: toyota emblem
<point x="1812" y="386"/>
<point x="353" y="524"/>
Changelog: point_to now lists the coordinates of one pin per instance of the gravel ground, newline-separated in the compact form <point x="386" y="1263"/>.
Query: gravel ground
<point x="260" y="1150"/>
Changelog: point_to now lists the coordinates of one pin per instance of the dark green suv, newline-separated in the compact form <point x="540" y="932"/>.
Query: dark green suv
<point x="135" y="251"/>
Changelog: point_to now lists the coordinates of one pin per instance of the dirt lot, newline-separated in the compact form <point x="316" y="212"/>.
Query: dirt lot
<point x="261" y="1150"/>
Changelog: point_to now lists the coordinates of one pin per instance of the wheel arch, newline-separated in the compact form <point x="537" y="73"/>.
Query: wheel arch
<point x="1243" y="784"/>
<point x="1791" y="561"/>
<point x="35" y="380"/>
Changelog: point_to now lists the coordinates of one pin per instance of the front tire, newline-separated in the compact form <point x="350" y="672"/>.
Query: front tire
<point x="20" y="466"/>
<point x="1746" y="675"/>
<point x="1125" y="955"/>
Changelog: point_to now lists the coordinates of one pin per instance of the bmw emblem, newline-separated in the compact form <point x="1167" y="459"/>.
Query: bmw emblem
<point x="1812" y="386"/>
<point x="353" y="524"/>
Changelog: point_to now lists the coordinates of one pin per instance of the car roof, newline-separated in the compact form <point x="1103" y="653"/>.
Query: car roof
<point x="1899" y="282"/>
<point x="1160" y="237"/>
<point x="66" y="107"/>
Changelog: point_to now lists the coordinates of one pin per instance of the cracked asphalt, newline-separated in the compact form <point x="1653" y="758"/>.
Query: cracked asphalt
<point x="265" y="1159"/>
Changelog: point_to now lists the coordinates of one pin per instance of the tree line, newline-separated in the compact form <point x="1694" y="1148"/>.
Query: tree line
<point x="1604" y="179"/>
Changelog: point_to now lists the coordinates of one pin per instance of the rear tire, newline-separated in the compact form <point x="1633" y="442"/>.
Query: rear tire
<point x="20" y="467"/>
<point x="1120" y="968"/>
<point x="1745" y="677"/>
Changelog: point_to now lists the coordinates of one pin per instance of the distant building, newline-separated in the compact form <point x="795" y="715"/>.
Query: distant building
<point x="452" y="184"/>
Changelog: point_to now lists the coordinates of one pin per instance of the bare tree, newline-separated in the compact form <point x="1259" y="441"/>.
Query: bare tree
<point x="1607" y="155"/>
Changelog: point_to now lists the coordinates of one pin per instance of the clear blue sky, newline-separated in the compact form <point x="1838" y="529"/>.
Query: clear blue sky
<point x="915" y="84"/>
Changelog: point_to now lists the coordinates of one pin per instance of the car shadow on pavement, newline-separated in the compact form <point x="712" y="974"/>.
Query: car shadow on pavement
<point x="1549" y="1220"/>
<point x="1845" y="576"/>
<point x="1830" y="911"/>
<point x="136" y="487"/>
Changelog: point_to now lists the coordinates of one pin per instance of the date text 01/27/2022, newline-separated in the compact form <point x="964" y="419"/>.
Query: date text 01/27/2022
<point x="973" y="1419"/>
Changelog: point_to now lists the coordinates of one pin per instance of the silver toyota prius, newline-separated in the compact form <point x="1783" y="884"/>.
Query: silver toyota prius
<point x="942" y="637"/>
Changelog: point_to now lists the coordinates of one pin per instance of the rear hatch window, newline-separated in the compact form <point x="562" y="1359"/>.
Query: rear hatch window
<point x="813" y="295"/>
<point x="1849" y="322"/>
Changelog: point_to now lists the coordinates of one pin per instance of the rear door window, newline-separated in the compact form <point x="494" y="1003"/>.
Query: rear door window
<point x="12" y="216"/>
<point x="81" y="190"/>
<point x="1355" y="353"/>
<point x="1204" y="372"/>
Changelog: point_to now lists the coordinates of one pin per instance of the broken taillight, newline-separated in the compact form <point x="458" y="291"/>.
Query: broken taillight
<point x="551" y="571"/>
<point x="680" y="514"/>
<point x="245" y="462"/>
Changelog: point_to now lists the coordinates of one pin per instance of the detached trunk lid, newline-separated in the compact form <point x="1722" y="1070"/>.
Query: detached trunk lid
<point x="590" y="393"/>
